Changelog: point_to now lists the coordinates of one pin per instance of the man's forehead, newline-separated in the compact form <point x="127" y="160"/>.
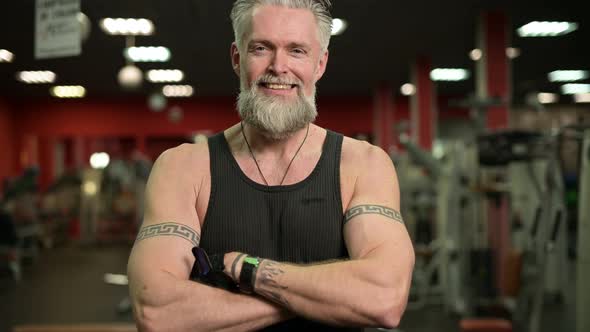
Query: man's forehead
<point x="290" y="21"/>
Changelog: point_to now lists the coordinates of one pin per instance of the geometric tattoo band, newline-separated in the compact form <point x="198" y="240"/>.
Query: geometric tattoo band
<point x="373" y="209"/>
<point x="172" y="229"/>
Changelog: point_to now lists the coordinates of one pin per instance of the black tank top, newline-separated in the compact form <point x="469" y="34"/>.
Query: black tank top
<point x="298" y="223"/>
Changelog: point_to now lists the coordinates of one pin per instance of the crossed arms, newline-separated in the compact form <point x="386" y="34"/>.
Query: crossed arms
<point x="370" y="289"/>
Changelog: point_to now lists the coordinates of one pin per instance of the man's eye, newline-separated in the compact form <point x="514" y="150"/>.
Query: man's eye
<point x="298" y="51"/>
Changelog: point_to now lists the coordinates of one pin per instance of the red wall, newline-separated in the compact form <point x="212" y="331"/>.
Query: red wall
<point x="119" y="118"/>
<point x="7" y="146"/>
<point x="36" y="125"/>
<point x="42" y="123"/>
<point x="133" y="118"/>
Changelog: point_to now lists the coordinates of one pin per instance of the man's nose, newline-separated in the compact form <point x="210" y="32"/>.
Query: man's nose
<point x="279" y="63"/>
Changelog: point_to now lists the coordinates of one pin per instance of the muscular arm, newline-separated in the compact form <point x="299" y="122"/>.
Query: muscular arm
<point x="164" y="299"/>
<point x="371" y="288"/>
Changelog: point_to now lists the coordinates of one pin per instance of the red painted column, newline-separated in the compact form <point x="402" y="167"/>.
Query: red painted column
<point x="7" y="141"/>
<point x="69" y="161"/>
<point x="383" y="117"/>
<point x="493" y="69"/>
<point x="29" y="151"/>
<point x="423" y="115"/>
<point x="78" y="152"/>
<point x="493" y="79"/>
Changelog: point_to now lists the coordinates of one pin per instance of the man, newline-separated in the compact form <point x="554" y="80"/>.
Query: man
<point x="305" y="221"/>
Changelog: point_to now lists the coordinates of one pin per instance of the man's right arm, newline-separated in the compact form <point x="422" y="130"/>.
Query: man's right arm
<point x="163" y="297"/>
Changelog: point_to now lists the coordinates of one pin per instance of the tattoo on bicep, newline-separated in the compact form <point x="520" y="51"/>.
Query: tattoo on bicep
<point x="267" y="282"/>
<point x="170" y="229"/>
<point x="373" y="209"/>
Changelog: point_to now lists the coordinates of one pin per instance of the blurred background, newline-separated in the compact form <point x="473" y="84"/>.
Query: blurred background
<point x="483" y="106"/>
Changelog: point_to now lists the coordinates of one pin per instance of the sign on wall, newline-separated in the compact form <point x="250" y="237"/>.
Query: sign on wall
<point x="57" y="31"/>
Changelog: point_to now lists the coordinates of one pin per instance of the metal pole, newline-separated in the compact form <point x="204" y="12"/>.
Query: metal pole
<point x="583" y="266"/>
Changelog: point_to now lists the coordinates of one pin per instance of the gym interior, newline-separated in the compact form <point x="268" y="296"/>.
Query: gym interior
<point x="483" y="107"/>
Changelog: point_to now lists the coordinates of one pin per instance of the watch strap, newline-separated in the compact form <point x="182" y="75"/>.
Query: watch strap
<point x="208" y="269"/>
<point x="248" y="273"/>
<point x="217" y="263"/>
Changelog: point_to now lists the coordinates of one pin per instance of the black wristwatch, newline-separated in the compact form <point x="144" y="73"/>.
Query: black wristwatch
<point x="208" y="269"/>
<point x="248" y="274"/>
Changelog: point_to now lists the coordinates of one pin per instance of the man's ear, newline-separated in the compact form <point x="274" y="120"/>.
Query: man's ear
<point x="322" y="65"/>
<point x="235" y="58"/>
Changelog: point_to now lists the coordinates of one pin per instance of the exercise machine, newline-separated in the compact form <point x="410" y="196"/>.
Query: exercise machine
<point x="533" y="166"/>
<point x="441" y="265"/>
<point x="583" y="252"/>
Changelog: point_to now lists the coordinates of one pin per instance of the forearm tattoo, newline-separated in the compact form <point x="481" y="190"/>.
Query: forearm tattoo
<point x="267" y="282"/>
<point x="170" y="229"/>
<point x="373" y="209"/>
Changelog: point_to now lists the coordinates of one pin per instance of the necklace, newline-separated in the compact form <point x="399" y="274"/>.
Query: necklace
<point x="288" y="166"/>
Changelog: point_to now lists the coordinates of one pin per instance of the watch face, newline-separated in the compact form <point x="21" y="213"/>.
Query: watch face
<point x="251" y="260"/>
<point x="202" y="261"/>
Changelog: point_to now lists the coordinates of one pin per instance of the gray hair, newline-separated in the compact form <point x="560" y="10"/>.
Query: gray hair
<point x="241" y="14"/>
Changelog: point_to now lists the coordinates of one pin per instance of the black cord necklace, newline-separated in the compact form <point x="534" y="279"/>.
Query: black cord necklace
<point x="258" y="166"/>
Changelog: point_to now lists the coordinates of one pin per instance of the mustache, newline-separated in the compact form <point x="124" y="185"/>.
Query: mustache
<point x="271" y="79"/>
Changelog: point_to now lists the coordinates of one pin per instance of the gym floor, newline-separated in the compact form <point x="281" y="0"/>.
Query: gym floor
<point x="65" y="286"/>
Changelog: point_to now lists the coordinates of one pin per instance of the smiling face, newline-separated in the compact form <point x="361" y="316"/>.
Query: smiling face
<point x="279" y="64"/>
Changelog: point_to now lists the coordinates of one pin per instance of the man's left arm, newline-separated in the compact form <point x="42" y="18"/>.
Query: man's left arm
<point x="370" y="289"/>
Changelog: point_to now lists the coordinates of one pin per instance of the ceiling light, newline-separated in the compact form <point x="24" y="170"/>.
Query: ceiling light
<point x="177" y="90"/>
<point x="512" y="52"/>
<point x="475" y="54"/>
<point x="568" y="75"/>
<point x="6" y="56"/>
<point x="338" y="26"/>
<point x="449" y="74"/>
<point x="547" y="98"/>
<point x="116" y="279"/>
<point x="582" y="97"/>
<point x="575" y="88"/>
<point x="68" y="91"/>
<point x="546" y="29"/>
<point x="147" y="54"/>
<point x="127" y="26"/>
<point x="36" y="77"/>
<point x="130" y="76"/>
<point x="408" y="89"/>
<point x="165" y="75"/>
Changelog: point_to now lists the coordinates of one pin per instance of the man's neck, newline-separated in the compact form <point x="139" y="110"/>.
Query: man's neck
<point x="265" y="147"/>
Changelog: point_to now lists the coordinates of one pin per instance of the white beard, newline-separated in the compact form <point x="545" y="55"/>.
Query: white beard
<point x="275" y="116"/>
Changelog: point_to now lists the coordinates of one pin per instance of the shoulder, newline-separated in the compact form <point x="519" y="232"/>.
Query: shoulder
<point x="367" y="175"/>
<point x="186" y="162"/>
<point x="187" y="156"/>
<point x="361" y="156"/>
